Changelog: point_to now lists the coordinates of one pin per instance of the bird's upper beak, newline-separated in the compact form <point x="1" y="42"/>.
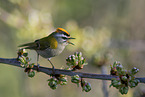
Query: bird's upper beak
<point x="71" y="38"/>
<point x="69" y="41"/>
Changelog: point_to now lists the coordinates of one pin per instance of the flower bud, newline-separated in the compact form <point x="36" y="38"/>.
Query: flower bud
<point x="52" y="83"/>
<point x="134" y="70"/>
<point x="31" y="73"/>
<point x="75" y="79"/>
<point x="123" y="90"/>
<point x="86" y="87"/>
<point x="124" y="78"/>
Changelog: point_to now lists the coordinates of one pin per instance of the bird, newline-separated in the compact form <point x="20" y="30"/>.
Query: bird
<point x="51" y="45"/>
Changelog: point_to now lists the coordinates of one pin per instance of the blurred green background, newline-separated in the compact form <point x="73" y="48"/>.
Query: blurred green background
<point x="112" y="28"/>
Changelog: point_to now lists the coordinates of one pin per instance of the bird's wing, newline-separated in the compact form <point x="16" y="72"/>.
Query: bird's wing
<point x="42" y="44"/>
<point x="31" y="45"/>
<point x="48" y="42"/>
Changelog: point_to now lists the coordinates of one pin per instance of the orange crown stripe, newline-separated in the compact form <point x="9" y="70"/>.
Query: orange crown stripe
<point x="61" y="29"/>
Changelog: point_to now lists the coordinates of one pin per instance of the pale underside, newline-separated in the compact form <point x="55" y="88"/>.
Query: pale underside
<point x="48" y="53"/>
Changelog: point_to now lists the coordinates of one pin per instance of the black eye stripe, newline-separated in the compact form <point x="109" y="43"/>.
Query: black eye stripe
<point x="64" y="38"/>
<point x="65" y="33"/>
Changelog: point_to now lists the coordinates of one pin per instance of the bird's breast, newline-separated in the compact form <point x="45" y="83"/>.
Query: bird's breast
<point x="48" y="53"/>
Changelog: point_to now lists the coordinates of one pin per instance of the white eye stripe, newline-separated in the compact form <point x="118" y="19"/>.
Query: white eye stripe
<point x="61" y="35"/>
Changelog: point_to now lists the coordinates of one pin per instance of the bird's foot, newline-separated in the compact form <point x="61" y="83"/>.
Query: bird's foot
<point x="53" y="71"/>
<point x="38" y="67"/>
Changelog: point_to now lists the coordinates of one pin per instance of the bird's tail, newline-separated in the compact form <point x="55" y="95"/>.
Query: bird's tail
<point x="31" y="45"/>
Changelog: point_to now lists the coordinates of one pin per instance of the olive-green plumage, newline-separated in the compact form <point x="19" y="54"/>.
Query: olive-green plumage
<point x="51" y="45"/>
<point x="42" y="44"/>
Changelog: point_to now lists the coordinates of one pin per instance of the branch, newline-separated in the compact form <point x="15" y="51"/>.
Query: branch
<point x="48" y="71"/>
<point x="104" y="82"/>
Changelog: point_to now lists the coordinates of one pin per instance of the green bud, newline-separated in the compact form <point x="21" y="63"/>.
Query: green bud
<point x="114" y="80"/>
<point x="86" y="87"/>
<point x="31" y="65"/>
<point x="22" y="50"/>
<point x="136" y="81"/>
<point x="75" y="53"/>
<point x="134" y="70"/>
<point x="115" y="63"/>
<point x="72" y="58"/>
<point x="52" y="83"/>
<point x="25" y="54"/>
<point x="75" y="79"/>
<point x="79" y="55"/>
<point x="133" y="83"/>
<point x="22" y="60"/>
<point x="67" y="59"/>
<point x="124" y="78"/>
<point x="76" y="61"/>
<point x="62" y="80"/>
<point x="123" y="90"/>
<point x="82" y="60"/>
<point x="79" y="63"/>
<point x="119" y="67"/>
<point x="123" y="72"/>
<point x="115" y="83"/>
<point x="31" y="73"/>
<point x="131" y="77"/>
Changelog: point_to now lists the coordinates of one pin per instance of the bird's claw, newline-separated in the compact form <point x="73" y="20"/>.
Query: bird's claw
<point x="53" y="71"/>
<point x="38" y="67"/>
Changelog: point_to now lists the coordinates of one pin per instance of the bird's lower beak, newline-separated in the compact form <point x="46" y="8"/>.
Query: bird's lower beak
<point x="69" y="41"/>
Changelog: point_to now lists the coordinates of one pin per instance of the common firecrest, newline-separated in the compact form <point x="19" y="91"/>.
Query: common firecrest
<point x="50" y="46"/>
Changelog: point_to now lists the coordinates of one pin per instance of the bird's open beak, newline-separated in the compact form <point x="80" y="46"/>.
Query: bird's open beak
<point x="69" y="41"/>
<point x="71" y="38"/>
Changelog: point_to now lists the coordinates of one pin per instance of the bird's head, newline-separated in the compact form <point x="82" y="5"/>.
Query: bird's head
<point x="63" y="36"/>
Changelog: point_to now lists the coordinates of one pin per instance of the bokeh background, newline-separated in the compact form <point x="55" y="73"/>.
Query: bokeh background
<point x="103" y="28"/>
